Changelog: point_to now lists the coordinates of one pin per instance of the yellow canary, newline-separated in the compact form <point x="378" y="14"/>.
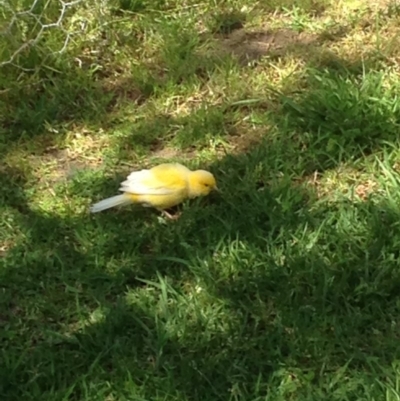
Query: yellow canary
<point x="161" y="187"/>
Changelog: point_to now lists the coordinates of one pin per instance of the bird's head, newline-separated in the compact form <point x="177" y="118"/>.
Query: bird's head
<point x="201" y="183"/>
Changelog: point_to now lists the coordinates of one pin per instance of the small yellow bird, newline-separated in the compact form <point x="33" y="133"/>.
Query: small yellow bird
<point x="161" y="187"/>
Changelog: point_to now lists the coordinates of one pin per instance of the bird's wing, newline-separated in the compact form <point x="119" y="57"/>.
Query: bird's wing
<point x="147" y="182"/>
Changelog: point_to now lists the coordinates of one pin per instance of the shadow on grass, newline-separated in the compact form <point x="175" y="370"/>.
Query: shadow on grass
<point x="56" y="99"/>
<point x="293" y="292"/>
<point x="265" y="291"/>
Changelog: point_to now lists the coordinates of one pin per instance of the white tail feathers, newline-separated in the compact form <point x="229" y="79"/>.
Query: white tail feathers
<point x="118" y="200"/>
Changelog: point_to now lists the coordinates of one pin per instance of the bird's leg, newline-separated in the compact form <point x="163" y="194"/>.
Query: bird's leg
<point x="170" y="216"/>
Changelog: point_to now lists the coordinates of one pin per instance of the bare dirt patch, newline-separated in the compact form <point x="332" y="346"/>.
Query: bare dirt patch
<point x="250" y="46"/>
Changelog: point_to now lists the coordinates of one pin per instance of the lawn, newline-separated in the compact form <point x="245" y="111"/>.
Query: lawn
<point x="285" y="286"/>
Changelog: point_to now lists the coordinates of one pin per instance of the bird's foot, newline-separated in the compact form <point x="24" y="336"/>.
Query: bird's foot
<point x="171" y="216"/>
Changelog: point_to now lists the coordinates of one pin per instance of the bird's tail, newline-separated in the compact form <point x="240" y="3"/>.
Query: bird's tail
<point x="118" y="200"/>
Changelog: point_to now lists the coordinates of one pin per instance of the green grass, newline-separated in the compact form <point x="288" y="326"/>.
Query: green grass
<point x="284" y="286"/>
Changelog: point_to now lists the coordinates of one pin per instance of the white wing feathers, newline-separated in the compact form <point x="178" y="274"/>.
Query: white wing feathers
<point x="144" y="182"/>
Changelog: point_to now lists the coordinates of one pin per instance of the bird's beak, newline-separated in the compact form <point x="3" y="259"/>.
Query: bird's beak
<point x="216" y="189"/>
